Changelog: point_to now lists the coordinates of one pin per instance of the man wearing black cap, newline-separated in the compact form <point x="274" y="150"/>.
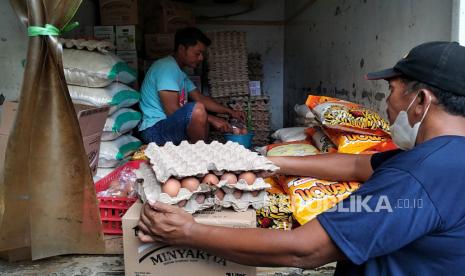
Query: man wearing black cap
<point x="407" y="219"/>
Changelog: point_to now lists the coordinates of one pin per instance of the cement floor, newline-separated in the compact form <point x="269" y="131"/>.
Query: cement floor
<point x="113" y="265"/>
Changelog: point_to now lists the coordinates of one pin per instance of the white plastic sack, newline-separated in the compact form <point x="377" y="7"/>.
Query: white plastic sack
<point x="116" y="95"/>
<point x="94" y="69"/>
<point x="290" y="134"/>
<point x="111" y="152"/>
<point x="120" y="122"/>
<point x="302" y="110"/>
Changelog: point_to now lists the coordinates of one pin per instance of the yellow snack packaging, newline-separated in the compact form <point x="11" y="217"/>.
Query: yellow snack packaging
<point x="311" y="197"/>
<point x="355" y="143"/>
<point x="347" y="116"/>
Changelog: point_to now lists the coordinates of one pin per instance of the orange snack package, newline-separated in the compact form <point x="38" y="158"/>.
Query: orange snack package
<point x="357" y="143"/>
<point x="347" y="116"/>
<point x="311" y="197"/>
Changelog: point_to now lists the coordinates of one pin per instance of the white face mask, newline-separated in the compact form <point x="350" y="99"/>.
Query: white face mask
<point x="404" y="135"/>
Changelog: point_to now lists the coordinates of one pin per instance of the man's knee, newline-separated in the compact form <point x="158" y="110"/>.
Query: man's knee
<point x="199" y="113"/>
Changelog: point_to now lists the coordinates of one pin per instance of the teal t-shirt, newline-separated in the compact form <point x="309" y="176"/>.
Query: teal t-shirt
<point x="164" y="74"/>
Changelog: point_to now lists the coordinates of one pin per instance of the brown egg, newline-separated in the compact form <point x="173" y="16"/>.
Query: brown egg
<point x="244" y="131"/>
<point x="249" y="177"/>
<point x="236" y="131"/>
<point x="190" y="183"/>
<point x="200" y="198"/>
<point x="182" y="203"/>
<point x="171" y="187"/>
<point x="230" y="178"/>
<point x="237" y="194"/>
<point x="219" y="194"/>
<point x="211" y="179"/>
<point x="254" y="193"/>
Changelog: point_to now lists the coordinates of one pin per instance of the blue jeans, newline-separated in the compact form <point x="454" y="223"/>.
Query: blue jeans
<point x="172" y="129"/>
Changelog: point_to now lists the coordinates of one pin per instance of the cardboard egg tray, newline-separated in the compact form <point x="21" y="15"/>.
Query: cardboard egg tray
<point x="151" y="191"/>
<point x="199" y="159"/>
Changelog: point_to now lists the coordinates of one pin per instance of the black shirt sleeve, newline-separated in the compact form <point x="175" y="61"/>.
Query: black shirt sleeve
<point x="378" y="158"/>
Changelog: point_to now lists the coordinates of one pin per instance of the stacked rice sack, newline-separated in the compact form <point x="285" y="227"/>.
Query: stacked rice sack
<point x="199" y="176"/>
<point x="343" y="127"/>
<point x="99" y="78"/>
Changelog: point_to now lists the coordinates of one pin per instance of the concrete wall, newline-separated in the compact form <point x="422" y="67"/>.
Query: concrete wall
<point x="333" y="43"/>
<point x="13" y="47"/>
<point x="267" y="41"/>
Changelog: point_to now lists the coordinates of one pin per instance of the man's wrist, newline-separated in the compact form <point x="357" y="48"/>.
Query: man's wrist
<point x="190" y="233"/>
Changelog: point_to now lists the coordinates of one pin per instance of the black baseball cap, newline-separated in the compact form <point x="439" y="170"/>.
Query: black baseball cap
<point x="439" y="64"/>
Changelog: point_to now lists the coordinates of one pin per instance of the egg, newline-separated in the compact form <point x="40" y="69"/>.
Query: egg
<point x="211" y="179"/>
<point x="219" y="194"/>
<point x="237" y="194"/>
<point x="236" y="131"/>
<point x="200" y="198"/>
<point x="249" y="177"/>
<point x="244" y="131"/>
<point x="230" y="178"/>
<point x="182" y="203"/>
<point x="171" y="187"/>
<point x="254" y="193"/>
<point x="190" y="183"/>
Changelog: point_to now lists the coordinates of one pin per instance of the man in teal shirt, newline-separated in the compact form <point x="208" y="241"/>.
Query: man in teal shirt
<point x="167" y="114"/>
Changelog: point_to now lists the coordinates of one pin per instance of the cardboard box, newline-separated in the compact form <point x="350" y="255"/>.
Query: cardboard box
<point x="105" y="33"/>
<point x="91" y="122"/>
<point x="130" y="57"/>
<point x="129" y="38"/>
<point x="158" y="45"/>
<point x="166" y="16"/>
<point x="156" y="259"/>
<point x="120" y="12"/>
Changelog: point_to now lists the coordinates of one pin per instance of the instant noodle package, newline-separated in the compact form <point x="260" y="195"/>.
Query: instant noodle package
<point x="347" y="116"/>
<point x="311" y="197"/>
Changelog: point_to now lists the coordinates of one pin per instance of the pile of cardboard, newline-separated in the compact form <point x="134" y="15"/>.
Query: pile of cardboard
<point x="259" y="114"/>
<point x="227" y="64"/>
<point x="142" y="31"/>
<point x="91" y="122"/>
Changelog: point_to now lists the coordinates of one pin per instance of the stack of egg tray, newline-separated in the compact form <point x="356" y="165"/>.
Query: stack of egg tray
<point x="227" y="63"/>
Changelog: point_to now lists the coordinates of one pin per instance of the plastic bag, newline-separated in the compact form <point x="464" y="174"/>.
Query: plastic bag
<point x="124" y="186"/>
<point x="320" y="140"/>
<point x="303" y="111"/>
<point x="347" y="116"/>
<point x="311" y="197"/>
<point x="116" y="95"/>
<point x="276" y="214"/>
<point x="290" y="134"/>
<point x="298" y="148"/>
<point x="120" y="122"/>
<point x="94" y="69"/>
<point x="111" y="152"/>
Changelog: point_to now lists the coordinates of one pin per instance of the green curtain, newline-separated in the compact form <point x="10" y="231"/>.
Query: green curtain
<point x="47" y="197"/>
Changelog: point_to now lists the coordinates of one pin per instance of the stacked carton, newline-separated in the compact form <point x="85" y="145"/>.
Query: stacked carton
<point x="227" y="64"/>
<point x="142" y="31"/>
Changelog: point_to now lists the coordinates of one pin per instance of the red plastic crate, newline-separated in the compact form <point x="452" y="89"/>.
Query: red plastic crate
<point x="112" y="209"/>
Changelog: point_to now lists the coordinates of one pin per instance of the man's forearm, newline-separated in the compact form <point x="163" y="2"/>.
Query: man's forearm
<point x="331" y="166"/>
<point x="254" y="247"/>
